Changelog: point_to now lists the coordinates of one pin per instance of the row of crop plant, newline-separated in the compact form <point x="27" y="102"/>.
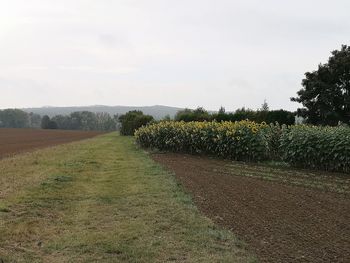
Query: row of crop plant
<point x="326" y="148"/>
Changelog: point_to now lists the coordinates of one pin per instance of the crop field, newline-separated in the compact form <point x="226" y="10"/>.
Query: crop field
<point x="262" y="191"/>
<point x="285" y="215"/>
<point x="317" y="147"/>
<point x="14" y="141"/>
<point x="105" y="199"/>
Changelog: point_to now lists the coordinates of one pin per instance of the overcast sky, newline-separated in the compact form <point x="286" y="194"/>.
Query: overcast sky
<point x="185" y="53"/>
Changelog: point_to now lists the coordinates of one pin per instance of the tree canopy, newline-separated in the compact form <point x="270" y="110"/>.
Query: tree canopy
<point x="199" y="114"/>
<point x="15" y="118"/>
<point x="47" y="123"/>
<point x="86" y="120"/>
<point x="133" y="120"/>
<point x="260" y="115"/>
<point x="326" y="91"/>
<point x="82" y="120"/>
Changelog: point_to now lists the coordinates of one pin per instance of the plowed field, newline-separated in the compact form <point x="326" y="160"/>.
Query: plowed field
<point x="283" y="214"/>
<point x="13" y="141"/>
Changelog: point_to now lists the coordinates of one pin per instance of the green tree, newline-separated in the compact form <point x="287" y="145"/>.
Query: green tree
<point x="262" y="113"/>
<point x="221" y="115"/>
<point x="326" y="91"/>
<point x="222" y="110"/>
<point x="243" y="114"/>
<point x="187" y="115"/>
<point x="47" y="123"/>
<point x="86" y="120"/>
<point x="105" y="122"/>
<point x="53" y="125"/>
<point x="184" y="115"/>
<point x="166" y="118"/>
<point x="34" y="120"/>
<point x="83" y="120"/>
<point x="63" y="122"/>
<point x="133" y="120"/>
<point x="14" y="118"/>
<point x="265" y="106"/>
<point x="280" y="116"/>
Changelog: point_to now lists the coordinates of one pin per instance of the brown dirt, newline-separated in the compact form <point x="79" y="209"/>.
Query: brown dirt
<point x="13" y="141"/>
<point x="279" y="221"/>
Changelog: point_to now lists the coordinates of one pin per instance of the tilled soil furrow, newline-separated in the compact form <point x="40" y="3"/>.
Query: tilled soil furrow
<point x="13" y="141"/>
<point x="280" y="222"/>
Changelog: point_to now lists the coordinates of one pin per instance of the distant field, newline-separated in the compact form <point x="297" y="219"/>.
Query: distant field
<point x="14" y="141"/>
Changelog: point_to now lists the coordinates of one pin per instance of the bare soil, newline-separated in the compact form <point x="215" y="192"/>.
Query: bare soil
<point x="13" y="141"/>
<point x="283" y="219"/>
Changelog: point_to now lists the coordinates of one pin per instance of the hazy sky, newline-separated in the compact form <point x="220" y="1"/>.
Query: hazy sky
<point x="185" y="53"/>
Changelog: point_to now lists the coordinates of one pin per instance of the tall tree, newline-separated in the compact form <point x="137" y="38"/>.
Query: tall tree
<point x="222" y="110"/>
<point x="45" y="122"/>
<point x="326" y="91"/>
<point x="265" y="106"/>
<point x="34" y="120"/>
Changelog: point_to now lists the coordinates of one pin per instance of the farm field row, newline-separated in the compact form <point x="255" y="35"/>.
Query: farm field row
<point x="14" y="141"/>
<point x="283" y="214"/>
<point x="103" y="200"/>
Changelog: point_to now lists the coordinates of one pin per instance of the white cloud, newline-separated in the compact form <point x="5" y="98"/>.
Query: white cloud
<point x="181" y="53"/>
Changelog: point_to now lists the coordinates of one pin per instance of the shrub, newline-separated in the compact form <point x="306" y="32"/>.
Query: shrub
<point x="326" y="148"/>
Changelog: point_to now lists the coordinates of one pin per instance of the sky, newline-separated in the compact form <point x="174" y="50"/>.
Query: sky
<point x="184" y="53"/>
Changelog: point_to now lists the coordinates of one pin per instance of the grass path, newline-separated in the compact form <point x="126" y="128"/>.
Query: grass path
<point x="102" y="200"/>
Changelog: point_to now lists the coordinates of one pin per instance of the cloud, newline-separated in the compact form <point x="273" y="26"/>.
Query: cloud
<point x="185" y="52"/>
<point x="97" y="70"/>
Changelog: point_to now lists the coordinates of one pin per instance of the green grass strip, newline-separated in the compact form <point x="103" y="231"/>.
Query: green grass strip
<point x="103" y="200"/>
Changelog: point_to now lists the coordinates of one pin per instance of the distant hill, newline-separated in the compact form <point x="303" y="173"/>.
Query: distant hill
<point x="157" y="111"/>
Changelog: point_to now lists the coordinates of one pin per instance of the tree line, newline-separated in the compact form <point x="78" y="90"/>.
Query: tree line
<point x="81" y="120"/>
<point x="133" y="120"/>
<point x="84" y="120"/>
<point x="260" y="115"/>
<point x="15" y="118"/>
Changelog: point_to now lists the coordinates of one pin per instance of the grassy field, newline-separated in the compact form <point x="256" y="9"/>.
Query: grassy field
<point x="102" y="200"/>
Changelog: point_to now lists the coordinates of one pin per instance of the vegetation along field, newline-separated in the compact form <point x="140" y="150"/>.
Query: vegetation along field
<point x="317" y="147"/>
<point x="103" y="200"/>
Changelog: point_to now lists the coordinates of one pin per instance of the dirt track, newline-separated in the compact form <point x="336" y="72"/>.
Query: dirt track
<point x="279" y="222"/>
<point x="14" y="141"/>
